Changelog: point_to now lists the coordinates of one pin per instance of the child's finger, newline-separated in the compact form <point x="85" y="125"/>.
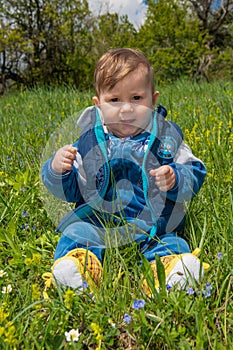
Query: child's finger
<point x="164" y="177"/>
<point x="69" y="152"/>
<point x="153" y="172"/>
<point x="161" y="172"/>
<point x="69" y="155"/>
<point x="69" y="148"/>
<point x="73" y="149"/>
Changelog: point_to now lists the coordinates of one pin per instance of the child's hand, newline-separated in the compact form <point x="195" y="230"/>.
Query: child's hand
<point x="64" y="158"/>
<point x="165" y="177"/>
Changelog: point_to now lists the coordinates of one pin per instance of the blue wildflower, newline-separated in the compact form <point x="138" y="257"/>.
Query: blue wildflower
<point x="208" y="286"/>
<point x="190" y="291"/>
<point x="168" y="286"/>
<point x="219" y="255"/>
<point x="85" y="284"/>
<point x="138" y="304"/>
<point x="25" y="214"/>
<point x="127" y="318"/>
<point x="207" y="291"/>
<point x="25" y="227"/>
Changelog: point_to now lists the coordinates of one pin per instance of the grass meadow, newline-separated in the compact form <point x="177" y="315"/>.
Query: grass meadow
<point x="121" y="315"/>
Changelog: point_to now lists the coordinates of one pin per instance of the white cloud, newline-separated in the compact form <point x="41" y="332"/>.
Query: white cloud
<point x="135" y="9"/>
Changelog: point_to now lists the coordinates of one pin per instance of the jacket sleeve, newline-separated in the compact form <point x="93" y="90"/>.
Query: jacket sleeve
<point x="65" y="186"/>
<point x="190" y="174"/>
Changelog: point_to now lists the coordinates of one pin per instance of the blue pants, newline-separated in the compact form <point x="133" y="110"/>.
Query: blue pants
<point x="85" y="235"/>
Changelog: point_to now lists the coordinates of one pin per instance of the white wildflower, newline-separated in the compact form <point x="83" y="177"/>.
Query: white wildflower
<point x="7" y="289"/>
<point x="2" y="273"/>
<point x="110" y="321"/>
<point x="72" y="335"/>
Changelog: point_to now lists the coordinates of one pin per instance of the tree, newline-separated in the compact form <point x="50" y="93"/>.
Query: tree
<point x="45" y="35"/>
<point x="112" y="31"/>
<point x="171" y="39"/>
<point x="212" y="14"/>
<point x="12" y="49"/>
<point x="215" y="23"/>
<point x="188" y="38"/>
<point x="59" y="41"/>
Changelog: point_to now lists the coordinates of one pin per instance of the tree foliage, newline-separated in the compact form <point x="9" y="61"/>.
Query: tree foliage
<point x="58" y="41"/>
<point x="53" y="31"/>
<point x="172" y="39"/>
<point x="215" y="23"/>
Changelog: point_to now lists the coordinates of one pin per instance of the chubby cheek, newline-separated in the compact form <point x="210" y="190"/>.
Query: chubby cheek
<point x="144" y="120"/>
<point x="110" y="117"/>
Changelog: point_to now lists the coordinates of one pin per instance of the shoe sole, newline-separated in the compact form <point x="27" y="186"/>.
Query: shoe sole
<point x="65" y="273"/>
<point x="185" y="272"/>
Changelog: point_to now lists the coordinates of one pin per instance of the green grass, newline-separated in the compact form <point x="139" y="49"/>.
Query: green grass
<point x="167" y="321"/>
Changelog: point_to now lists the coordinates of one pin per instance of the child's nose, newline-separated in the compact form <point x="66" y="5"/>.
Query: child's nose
<point x="126" y="108"/>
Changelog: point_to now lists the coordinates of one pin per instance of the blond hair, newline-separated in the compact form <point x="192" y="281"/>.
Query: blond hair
<point x="115" y="64"/>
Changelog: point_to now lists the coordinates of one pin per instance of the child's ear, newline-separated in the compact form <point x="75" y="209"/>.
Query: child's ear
<point x="96" y="101"/>
<point x="155" y="97"/>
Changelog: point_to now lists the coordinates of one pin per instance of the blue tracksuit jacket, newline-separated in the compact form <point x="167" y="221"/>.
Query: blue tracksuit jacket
<point x="110" y="177"/>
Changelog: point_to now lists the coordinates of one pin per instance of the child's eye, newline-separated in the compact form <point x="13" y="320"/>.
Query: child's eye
<point x="136" y="98"/>
<point x="115" y="99"/>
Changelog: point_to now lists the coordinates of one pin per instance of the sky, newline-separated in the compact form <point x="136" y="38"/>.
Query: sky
<point x="135" y="9"/>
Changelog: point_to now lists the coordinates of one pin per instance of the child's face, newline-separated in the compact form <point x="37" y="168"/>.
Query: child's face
<point x="127" y="107"/>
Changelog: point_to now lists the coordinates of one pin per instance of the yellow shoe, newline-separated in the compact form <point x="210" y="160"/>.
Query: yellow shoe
<point x="73" y="269"/>
<point x="181" y="269"/>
